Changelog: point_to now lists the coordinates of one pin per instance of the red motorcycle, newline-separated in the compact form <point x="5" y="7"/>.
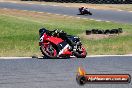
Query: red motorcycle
<point x="53" y="46"/>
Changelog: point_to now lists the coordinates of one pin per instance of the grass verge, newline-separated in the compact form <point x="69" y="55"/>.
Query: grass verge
<point x="19" y="33"/>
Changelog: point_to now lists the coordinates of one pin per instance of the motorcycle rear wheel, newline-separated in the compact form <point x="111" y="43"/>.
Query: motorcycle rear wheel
<point x="48" y="51"/>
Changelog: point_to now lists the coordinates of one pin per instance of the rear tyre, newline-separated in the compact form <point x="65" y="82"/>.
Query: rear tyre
<point x="48" y="51"/>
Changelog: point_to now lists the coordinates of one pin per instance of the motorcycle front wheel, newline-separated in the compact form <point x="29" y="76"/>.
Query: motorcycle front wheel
<point x="90" y="13"/>
<point x="81" y="53"/>
<point x="48" y="51"/>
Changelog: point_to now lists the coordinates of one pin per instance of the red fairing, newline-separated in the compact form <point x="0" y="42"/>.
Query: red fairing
<point x="84" y="51"/>
<point x="45" y="36"/>
<point x="67" y="52"/>
<point x="55" y="40"/>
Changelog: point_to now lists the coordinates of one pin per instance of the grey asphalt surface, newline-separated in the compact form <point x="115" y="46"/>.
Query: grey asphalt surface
<point x="106" y="15"/>
<point x="60" y="73"/>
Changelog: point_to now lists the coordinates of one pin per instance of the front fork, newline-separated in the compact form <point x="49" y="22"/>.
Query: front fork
<point x="77" y="46"/>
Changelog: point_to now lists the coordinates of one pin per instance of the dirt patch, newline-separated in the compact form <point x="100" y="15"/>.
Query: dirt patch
<point x="20" y="12"/>
<point x="30" y="14"/>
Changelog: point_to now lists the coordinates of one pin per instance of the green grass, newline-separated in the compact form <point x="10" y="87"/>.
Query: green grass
<point x="19" y="35"/>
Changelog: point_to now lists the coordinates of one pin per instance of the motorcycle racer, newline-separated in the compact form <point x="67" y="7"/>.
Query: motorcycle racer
<point x="63" y="35"/>
<point x="57" y="44"/>
<point x="58" y="33"/>
<point x="81" y="9"/>
<point x="84" y="10"/>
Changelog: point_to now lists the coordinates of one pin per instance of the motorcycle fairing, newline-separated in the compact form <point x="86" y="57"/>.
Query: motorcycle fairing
<point x="61" y="45"/>
<point x="63" y="49"/>
<point x="42" y="38"/>
<point x="55" y="40"/>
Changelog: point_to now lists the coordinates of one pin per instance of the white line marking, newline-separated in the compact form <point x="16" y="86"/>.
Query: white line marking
<point x="67" y="6"/>
<point x="130" y="55"/>
<point x="120" y="10"/>
<point x="14" y="2"/>
<point x="85" y="18"/>
<point x="22" y="10"/>
<point x="130" y="11"/>
<point x="55" y="5"/>
<point x="15" y="57"/>
<point x="57" y="14"/>
<point x="64" y="15"/>
<point x="5" y="8"/>
<point x="78" y="17"/>
<point x="70" y="16"/>
<point x="49" y="13"/>
<point x="33" y="11"/>
<point x="107" y="55"/>
<point x="107" y="21"/>
<point x="40" y="12"/>
<point x="98" y="20"/>
<point x="43" y="4"/>
<point x="92" y="19"/>
<point x="30" y="3"/>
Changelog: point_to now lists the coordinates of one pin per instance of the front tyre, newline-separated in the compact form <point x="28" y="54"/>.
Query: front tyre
<point x="90" y="13"/>
<point x="81" y="53"/>
<point x="48" y="51"/>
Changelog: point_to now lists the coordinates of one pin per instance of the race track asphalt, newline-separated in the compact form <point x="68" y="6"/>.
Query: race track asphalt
<point x="60" y="73"/>
<point x="106" y="15"/>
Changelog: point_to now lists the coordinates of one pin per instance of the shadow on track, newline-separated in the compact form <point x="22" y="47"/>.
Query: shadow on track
<point x="43" y="57"/>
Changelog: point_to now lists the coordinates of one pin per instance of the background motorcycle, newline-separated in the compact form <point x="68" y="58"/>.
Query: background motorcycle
<point x="55" y="47"/>
<point x="84" y="12"/>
